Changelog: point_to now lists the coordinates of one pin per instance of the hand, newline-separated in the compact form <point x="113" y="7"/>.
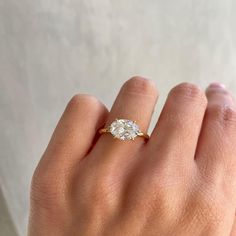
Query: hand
<point x="179" y="182"/>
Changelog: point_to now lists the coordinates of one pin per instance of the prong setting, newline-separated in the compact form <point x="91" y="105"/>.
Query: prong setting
<point x="124" y="129"/>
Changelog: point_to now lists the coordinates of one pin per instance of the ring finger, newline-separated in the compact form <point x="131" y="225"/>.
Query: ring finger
<point x="135" y="101"/>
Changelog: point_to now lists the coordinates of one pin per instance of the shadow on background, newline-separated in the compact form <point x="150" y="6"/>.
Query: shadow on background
<point x="7" y="227"/>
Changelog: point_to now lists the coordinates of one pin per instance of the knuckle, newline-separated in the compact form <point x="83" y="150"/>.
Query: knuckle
<point x="167" y="204"/>
<point x="85" y="101"/>
<point x="162" y="199"/>
<point x="189" y="91"/>
<point x="229" y="114"/>
<point x="223" y="113"/>
<point x="99" y="188"/>
<point x="46" y="192"/>
<point x="209" y="209"/>
<point x="101" y="197"/>
<point x="104" y="194"/>
<point x="140" y="85"/>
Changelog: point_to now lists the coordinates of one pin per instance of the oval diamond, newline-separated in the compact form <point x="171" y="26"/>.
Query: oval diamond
<point x="124" y="129"/>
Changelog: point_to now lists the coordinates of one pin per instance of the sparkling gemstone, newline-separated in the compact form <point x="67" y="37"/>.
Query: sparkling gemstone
<point x="124" y="129"/>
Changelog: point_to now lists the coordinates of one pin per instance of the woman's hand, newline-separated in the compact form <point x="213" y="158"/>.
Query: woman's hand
<point x="180" y="182"/>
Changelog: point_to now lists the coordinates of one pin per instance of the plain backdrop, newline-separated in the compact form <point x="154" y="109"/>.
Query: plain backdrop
<point x="53" y="49"/>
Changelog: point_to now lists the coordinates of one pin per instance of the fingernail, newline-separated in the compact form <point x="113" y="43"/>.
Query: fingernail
<point x="216" y="85"/>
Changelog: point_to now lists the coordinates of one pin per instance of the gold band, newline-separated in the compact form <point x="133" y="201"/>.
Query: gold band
<point x="146" y="136"/>
<point x="103" y="130"/>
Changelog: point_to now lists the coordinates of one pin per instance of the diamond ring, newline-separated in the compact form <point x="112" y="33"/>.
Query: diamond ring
<point x="124" y="129"/>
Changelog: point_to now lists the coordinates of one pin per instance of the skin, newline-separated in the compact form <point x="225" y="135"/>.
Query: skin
<point x="182" y="181"/>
